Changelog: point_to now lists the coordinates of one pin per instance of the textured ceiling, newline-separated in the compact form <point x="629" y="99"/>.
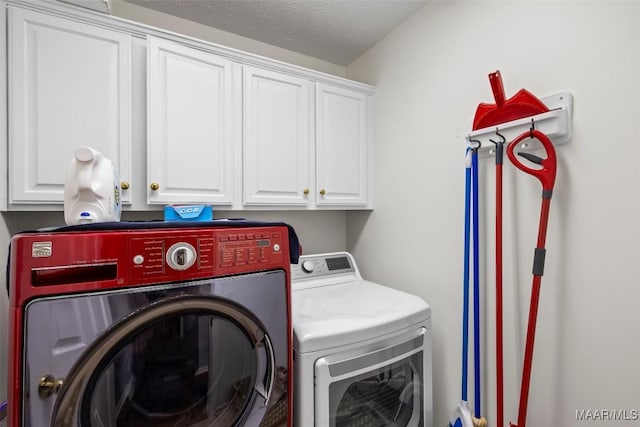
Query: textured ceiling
<point x="337" y="31"/>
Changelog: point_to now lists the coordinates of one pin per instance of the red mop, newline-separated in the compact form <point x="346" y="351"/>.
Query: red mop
<point x="547" y="175"/>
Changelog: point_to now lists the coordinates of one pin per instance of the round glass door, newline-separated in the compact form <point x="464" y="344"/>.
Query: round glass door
<point x="185" y="361"/>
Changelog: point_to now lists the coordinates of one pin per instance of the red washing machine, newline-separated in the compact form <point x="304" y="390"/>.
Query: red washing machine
<point x="152" y="324"/>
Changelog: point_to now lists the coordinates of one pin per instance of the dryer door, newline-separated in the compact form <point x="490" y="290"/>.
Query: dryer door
<point x="187" y="360"/>
<point x="384" y="386"/>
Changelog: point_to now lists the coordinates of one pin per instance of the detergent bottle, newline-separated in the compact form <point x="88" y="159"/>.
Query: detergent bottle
<point x="91" y="188"/>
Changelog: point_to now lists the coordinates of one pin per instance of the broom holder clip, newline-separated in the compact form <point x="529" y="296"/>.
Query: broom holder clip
<point x="555" y="123"/>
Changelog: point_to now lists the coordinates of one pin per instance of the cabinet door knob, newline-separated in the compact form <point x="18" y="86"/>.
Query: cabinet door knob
<point x="154" y="186"/>
<point x="323" y="192"/>
<point x="124" y="185"/>
<point x="306" y="191"/>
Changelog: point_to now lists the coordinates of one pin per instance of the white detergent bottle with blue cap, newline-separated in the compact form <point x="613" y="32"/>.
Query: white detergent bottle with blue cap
<point x="91" y="188"/>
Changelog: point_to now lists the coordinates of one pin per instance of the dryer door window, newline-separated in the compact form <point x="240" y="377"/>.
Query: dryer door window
<point x="388" y="396"/>
<point x="375" y="387"/>
<point x="185" y="361"/>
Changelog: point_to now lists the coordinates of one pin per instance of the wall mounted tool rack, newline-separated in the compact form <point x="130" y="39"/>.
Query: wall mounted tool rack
<point x="555" y="123"/>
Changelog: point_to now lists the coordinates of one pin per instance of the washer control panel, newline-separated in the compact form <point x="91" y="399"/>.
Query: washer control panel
<point x="223" y="251"/>
<point x="314" y="266"/>
<point x="149" y="253"/>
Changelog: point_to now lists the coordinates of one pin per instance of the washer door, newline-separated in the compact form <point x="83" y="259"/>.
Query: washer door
<point x="188" y="360"/>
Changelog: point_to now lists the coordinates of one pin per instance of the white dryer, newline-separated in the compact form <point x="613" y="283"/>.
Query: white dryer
<point x="362" y="351"/>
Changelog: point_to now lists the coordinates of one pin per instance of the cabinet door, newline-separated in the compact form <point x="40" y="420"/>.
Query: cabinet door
<point x="189" y="124"/>
<point x="276" y="139"/>
<point x="342" y="146"/>
<point x="69" y="85"/>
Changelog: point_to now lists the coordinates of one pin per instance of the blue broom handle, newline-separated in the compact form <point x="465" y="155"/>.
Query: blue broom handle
<point x="465" y="288"/>
<point x="476" y="283"/>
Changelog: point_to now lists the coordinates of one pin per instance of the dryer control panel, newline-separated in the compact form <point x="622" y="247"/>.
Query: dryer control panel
<point x="315" y="266"/>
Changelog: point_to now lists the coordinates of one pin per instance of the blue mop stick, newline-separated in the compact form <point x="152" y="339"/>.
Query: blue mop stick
<point x="476" y="283"/>
<point x="465" y="300"/>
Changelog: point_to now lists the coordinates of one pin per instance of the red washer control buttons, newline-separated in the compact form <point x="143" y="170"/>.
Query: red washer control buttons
<point x="181" y="256"/>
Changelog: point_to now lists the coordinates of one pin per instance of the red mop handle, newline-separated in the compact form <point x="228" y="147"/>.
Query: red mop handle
<point x="499" y="323"/>
<point x="538" y="270"/>
<point x="546" y="174"/>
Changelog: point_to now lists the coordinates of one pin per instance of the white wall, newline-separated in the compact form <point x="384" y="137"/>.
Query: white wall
<point x="430" y="74"/>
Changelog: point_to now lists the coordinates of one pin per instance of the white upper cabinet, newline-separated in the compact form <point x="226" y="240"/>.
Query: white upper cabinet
<point x="277" y="138"/>
<point x="298" y="152"/>
<point x="69" y="85"/>
<point x="190" y="125"/>
<point x="343" y="146"/>
<point x="184" y="121"/>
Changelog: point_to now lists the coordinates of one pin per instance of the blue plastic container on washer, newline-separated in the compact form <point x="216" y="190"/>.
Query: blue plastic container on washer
<point x="191" y="213"/>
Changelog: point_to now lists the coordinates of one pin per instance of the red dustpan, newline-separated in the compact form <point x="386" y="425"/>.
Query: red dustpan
<point x="522" y="104"/>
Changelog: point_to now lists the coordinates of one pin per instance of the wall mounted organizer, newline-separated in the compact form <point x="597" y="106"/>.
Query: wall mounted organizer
<point x="556" y="124"/>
